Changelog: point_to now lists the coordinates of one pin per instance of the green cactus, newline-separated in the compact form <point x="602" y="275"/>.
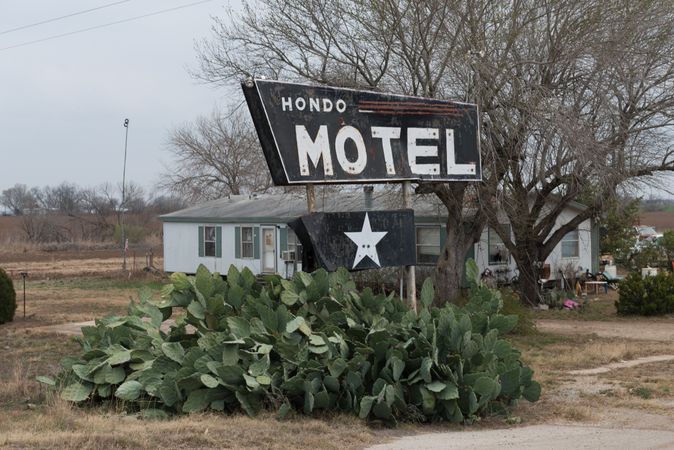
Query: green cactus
<point x="307" y="344"/>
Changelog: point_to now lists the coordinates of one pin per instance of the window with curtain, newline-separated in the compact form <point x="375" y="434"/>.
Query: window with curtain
<point x="247" y="247"/>
<point x="570" y="247"/>
<point x="428" y="245"/>
<point x="209" y="241"/>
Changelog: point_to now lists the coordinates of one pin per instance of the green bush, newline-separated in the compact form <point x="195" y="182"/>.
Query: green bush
<point x="308" y="344"/>
<point x="647" y="296"/>
<point x="7" y="298"/>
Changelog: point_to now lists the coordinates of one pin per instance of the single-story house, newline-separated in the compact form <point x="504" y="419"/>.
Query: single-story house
<point x="253" y="232"/>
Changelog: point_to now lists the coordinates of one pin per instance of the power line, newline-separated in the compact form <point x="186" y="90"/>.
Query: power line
<point x="130" y="19"/>
<point x="63" y="17"/>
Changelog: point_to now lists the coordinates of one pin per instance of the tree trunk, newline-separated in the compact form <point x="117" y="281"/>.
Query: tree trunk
<point x="528" y="284"/>
<point x="451" y="262"/>
<point x="461" y="234"/>
<point x="449" y="269"/>
<point x="528" y="259"/>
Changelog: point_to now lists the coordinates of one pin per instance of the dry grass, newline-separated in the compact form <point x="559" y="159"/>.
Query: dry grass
<point x="54" y="266"/>
<point x="657" y="379"/>
<point x="608" y="399"/>
<point x="57" y="425"/>
<point x="16" y="246"/>
<point x="547" y="352"/>
<point x="15" y="387"/>
<point x="25" y="356"/>
<point x="31" y="418"/>
<point x="65" y="300"/>
<point x="661" y="220"/>
<point x="598" y="307"/>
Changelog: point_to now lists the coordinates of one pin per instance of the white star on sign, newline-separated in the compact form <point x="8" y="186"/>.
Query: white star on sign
<point x="366" y="240"/>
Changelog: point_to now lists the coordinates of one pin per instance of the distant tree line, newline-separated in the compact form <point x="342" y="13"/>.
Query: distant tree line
<point x="657" y="204"/>
<point x="67" y="211"/>
<point x="71" y="199"/>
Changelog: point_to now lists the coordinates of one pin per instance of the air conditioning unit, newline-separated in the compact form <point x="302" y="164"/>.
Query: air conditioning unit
<point x="288" y="255"/>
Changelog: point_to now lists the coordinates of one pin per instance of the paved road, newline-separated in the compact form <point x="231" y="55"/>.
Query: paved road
<point x="537" y="437"/>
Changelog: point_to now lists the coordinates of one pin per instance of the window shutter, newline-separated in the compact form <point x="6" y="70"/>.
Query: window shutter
<point x="283" y="238"/>
<point x="237" y="242"/>
<point x="201" y="241"/>
<point x="443" y="238"/>
<point x="256" y="243"/>
<point x="218" y="242"/>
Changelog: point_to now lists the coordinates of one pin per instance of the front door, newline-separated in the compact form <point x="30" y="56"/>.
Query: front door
<point x="269" y="250"/>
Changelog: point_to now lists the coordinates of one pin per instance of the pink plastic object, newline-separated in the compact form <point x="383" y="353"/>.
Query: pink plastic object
<point x="570" y="304"/>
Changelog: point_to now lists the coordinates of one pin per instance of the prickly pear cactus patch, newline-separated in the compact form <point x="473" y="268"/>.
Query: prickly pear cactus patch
<point x="309" y="344"/>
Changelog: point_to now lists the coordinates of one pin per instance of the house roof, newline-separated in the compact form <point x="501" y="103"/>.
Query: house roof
<point x="285" y="207"/>
<point x="282" y="208"/>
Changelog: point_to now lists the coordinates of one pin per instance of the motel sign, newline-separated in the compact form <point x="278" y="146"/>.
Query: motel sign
<point x="319" y="134"/>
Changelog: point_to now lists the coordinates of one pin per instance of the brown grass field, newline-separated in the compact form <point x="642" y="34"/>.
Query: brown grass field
<point x="77" y="258"/>
<point x="661" y="220"/>
<point x="30" y="417"/>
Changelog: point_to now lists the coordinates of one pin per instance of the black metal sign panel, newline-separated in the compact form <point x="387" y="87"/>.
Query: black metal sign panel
<point x="319" y="134"/>
<point x="358" y="240"/>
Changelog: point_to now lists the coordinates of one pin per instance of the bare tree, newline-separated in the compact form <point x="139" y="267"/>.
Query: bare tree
<point x="100" y="205"/>
<point x="215" y="156"/>
<point x="596" y="118"/>
<point x="18" y="199"/>
<point x="163" y="204"/>
<point x="65" y="198"/>
<point x="134" y="198"/>
<point x="574" y="95"/>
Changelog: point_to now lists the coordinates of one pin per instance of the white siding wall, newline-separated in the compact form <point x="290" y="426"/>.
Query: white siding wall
<point x="181" y="252"/>
<point x="584" y="258"/>
<point x="181" y="249"/>
<point x="181" y="242"/>
<point x="555" y="259"/>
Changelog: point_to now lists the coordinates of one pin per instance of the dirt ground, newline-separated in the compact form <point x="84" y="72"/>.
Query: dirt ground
<point x="642" y="330"/>
<point x="62" y="301"/>
<point x="55" y="266"/>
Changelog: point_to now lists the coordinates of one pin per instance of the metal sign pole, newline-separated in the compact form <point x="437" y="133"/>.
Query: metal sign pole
<point x="24" y="275"/>
<point x="311" y="198"/>
<point x="410" y="273"/>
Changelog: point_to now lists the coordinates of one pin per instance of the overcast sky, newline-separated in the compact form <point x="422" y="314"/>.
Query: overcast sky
<point x="63" y="101"/>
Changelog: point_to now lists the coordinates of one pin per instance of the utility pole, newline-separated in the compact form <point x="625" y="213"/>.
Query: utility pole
<point x="24" y="275"/>
<point x="121" y="206"/>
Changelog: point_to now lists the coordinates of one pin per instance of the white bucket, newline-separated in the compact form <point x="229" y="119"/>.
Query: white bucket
<point x="611" y="271"/>
<point x="649" y="272"/>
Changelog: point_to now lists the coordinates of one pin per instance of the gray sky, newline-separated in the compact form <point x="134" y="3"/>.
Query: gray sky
<point x="63" y="101"/>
